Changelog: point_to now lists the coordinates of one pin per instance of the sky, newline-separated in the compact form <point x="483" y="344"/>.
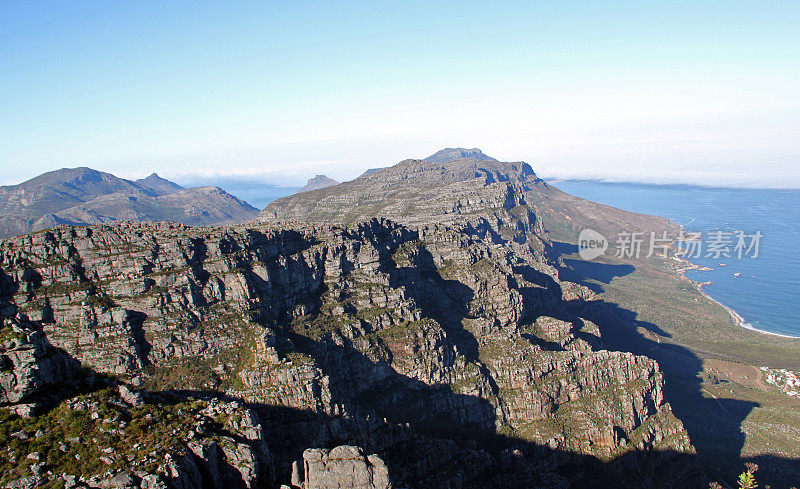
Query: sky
<point x="682" y="91"/>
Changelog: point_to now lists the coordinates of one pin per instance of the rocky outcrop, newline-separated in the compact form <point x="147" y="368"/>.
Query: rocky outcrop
<point x="159" y="185"/>
<point x="431" y="328"/>
<point x="344" y="467"/>
<point x="452" y="154"/>
<point x="31" y="370"/>
<point x="109" y="440"/>
<point x="440" y="339"/>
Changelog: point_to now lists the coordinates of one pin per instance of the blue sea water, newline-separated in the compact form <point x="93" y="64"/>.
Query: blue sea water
<point x="255" y="194"/>
<point x="767" y="291"/>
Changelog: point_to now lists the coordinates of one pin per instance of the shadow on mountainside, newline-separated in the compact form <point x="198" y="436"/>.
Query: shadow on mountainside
<point x="434" y="437"/>
<point x="422" y="457"/>
<point x="587" y="273"/>
<point x="431" y="437"/>
<point x="714" y="424"/>
<point x="429" y="434"/>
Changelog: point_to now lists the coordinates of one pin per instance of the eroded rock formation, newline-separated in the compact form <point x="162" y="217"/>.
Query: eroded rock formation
<point x="439" y="341"/>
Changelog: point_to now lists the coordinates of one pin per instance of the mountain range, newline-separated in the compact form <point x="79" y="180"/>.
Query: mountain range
<point x="417" y="314"/>
<point x="78" y="196"/>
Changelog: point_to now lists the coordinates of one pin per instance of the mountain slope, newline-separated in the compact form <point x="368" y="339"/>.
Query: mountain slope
<point x="442" y="339"/>
<point x="440" y="350"/>
<point x="442" y="191"/>
<point x="84" y="196"/>
<point x="56" y="190"/>
<point x="199" y="206"/>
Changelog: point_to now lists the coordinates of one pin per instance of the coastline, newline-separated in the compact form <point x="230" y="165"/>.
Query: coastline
<point x="738" y="320"/>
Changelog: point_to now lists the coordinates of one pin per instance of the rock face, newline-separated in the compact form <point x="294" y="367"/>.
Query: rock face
<point x="31" y="370"/>
<point x="341" y="467"/>
<point x="441" y="190"/>
<point x="318" y="182"/>
<point x="76" y="196"/>
<point x="439" y="339"/>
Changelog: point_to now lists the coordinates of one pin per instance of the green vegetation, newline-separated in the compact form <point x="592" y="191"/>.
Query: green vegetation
<point x="168" y="270"/>
<point x="102" y="301"/>
<point x="185" y="373"/>
<point x="64" y="288"/>
<point x="94" y="433"/>
<point x="402" y="256"/>
<point x="746" y="480"/>
<point x="315" y="326"/>
<point x="8" y="334"/>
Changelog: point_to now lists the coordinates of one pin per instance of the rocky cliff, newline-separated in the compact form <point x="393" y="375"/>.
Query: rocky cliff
<point x="438" y="340"/>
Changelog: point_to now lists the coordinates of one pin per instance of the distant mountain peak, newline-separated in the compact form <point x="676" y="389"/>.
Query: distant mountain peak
<point x="318" y="182"/>
<point x="451" y="154"/>
<point x="161" y="186"/>
<point x="83" y="195"/>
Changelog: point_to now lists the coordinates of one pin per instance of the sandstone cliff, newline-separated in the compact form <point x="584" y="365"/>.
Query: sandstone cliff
<point x="438" y="340"/>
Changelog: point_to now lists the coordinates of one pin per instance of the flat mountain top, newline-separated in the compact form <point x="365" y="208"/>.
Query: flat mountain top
<point x="318" y="182"/>
<point x="450" y="154"/>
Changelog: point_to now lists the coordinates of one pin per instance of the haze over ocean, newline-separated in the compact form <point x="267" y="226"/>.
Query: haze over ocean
<point x="768" y="284"/>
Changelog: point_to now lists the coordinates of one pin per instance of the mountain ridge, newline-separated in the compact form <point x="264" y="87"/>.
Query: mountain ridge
<point x="416" y="312"/>
<point x="82" y="195"/>
<point x="161" y="185"/>
<point x="442" y="189"/>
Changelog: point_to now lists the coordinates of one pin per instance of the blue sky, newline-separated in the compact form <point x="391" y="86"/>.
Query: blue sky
<point x="703" y="92"/>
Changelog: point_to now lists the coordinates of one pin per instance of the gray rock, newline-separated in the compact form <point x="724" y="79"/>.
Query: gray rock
<point x="134" y="398"/>
<point x="121" y="480"/>
<point x="30" y="368"/>
<point x="344" y="467"/>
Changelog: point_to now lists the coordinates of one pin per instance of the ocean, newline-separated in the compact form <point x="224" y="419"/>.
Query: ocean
<point x="765" y="290"/>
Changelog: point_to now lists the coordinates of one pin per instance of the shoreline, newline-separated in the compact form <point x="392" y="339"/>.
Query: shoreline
<point x="738" y="320"/>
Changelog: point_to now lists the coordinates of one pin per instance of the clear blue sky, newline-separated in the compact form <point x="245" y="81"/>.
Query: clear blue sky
<point x="657" y="91"/>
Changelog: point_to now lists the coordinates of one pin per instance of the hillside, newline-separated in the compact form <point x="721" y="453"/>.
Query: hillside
<point x="158" y="184"/>
<point x="437" y="190"/>
<point x="77" y="196"/>
<point x="442" y="339"/>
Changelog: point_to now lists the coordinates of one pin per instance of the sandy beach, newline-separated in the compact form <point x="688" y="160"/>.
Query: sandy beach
<point x="737" y="318"/>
